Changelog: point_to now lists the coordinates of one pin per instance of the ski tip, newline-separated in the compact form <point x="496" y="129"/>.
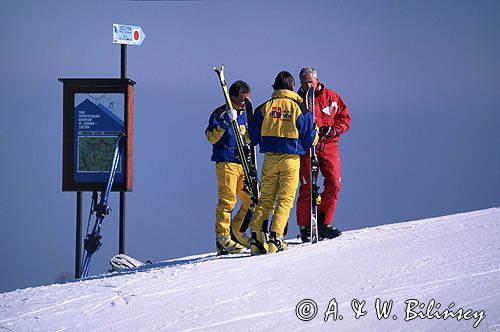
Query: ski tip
<point x="217" y="69"/>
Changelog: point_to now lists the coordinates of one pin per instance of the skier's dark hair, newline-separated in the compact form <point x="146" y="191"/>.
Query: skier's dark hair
<point x="284" y="81"/>
<point x="238" y="86"/>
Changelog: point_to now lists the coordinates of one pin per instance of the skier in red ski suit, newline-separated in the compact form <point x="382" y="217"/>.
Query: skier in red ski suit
<point x="333" y="119"/>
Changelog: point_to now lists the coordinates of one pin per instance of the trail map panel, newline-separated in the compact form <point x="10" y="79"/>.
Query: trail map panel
<point x="95" y="153"/>
<point x="99" y="119"/>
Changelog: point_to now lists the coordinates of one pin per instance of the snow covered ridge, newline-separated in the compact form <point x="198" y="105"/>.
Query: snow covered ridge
<point x="439" y="274"/>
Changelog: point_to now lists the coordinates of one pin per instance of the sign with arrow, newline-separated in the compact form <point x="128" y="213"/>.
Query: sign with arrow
<point x="128" y="34"/>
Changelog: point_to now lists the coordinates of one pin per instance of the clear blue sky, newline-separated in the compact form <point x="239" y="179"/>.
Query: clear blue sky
<point x="420" y="78"/>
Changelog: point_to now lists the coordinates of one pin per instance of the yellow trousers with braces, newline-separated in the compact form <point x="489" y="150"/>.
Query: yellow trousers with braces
<point x="280" y="179"/>
<point x="230" y="180"/>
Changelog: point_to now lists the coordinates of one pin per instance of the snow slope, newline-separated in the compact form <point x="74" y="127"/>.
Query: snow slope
<point x="453" y="260"/>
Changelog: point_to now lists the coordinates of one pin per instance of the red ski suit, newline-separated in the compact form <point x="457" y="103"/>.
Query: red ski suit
<point x="329" y="111"/>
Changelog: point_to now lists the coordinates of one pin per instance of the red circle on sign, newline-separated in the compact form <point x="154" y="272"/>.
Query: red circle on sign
<point x="136" y="35"/>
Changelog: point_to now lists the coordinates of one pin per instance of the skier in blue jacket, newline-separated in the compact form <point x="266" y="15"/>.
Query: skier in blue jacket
<point x="230" y="238"/>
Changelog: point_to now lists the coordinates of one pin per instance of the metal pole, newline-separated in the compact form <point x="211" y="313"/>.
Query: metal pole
<point x="78" y="252"/>
<point x="123" y="75"/>
<point x="122" y="223"/>
<point x="123" y="56"/>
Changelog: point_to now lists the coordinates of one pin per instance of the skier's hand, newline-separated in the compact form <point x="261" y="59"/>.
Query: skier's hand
<point x="232" y="114"/>
<point x="226" y="118"/>
<point x="326" y="132"/>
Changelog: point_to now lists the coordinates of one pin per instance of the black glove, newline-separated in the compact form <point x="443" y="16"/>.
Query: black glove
<point x="327" y="132"/>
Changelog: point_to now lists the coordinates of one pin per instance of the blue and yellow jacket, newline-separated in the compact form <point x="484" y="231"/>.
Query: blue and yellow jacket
<point x="283" y="125"/>
<point x="221" y="135"/>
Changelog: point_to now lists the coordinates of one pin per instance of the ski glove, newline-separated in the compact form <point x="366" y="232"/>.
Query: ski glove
<point x="327" y="132"/>
<point x="232" y="114"/>
<point x="227" y="117"/>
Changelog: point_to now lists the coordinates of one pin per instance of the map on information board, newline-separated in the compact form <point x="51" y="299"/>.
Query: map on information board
<point x="99" y="119"/>
<point x="95" y="153"/>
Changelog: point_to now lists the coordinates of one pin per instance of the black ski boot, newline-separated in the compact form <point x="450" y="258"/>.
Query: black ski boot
<point x="305" y="233"/>
<point x="328" y="231"/>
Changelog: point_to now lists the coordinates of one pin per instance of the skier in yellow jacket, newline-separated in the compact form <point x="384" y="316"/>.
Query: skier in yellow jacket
<point x="230" y="176"/>
<point x="284" y="130"/>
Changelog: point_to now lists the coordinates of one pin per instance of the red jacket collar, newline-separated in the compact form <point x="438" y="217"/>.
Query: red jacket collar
<point x="319" y="90"/>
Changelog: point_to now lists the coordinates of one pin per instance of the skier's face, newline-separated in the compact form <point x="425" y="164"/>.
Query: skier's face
<point x="240" y="100"/>
<point x="307" y="81"/>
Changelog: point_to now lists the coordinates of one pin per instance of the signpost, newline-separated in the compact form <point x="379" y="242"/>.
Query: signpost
<point x="95" y="112"/>
<point x="127" y="34"/>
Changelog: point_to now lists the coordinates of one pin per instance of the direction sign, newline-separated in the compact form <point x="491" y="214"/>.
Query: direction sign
<point x="127" y="34"/>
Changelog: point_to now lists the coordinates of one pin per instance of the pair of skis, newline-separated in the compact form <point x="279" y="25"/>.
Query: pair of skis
<point x="315" y="194"/>
<point x="92" y="241"/>
<point x="246" y="154"/>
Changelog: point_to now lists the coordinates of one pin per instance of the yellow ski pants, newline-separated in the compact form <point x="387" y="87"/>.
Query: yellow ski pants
<point x="230" y="180"/>
<point x="280" y="179"/>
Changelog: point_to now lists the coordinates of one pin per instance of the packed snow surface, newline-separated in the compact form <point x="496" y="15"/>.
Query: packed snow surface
<point x="439" y="274"/>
